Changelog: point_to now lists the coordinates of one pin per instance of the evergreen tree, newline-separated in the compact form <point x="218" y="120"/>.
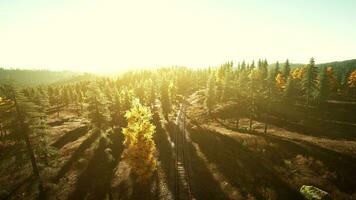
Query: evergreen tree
<point x="140" y="147"/>
<point x="309" y="80"/>
<point x="97" y="110"/>
<point x="152" y="99"/>
<point x="114" y="108"/>
<point x="27" y="121"/>
<point x="286" y="69"/>
<point x="165" y="100"/>
<point x="276" y="69"/>
<point x="289" y="92"/>
<point x="324" y="86"/>
<point x="172" y="92"/>
<point x="210" y="94"/>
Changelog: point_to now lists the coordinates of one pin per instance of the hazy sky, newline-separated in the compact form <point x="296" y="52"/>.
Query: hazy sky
<point x="106" y="35"/>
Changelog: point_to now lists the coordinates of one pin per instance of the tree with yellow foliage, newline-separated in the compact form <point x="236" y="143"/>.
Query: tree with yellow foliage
<point x="140" y="147"/>
<point x="351" y="82"/>
<point x="280" y="82"/>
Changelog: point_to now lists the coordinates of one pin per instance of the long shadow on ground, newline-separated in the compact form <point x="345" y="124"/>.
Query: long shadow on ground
<point x="83" y="146"/>
<point x="244" y="169"/>
<point x="70" y="136"/>
<point x="165" y="151"/>
<point x="342" y="164"/>
<point x="94" y="182"/>
<point x="203" y="184"/>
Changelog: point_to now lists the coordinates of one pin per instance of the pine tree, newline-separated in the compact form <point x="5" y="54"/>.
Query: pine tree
<point x="97" y="110"/>
<point x="114" y="108"/>
<point x="140" y="147"/>
<point x="227" y="85"/>
<point x="309" y="80"/>
<point x="276" y="69"/>
<point x="264" y="70"/>
<point x="289" y="92"/>
<point x="254" y="76"/>
<point x="210" y="94"/>
<point x="324" y="86"/>
<point x="286" y="69"/>
<point x="172" y="89"/>
<point x="26" y="120"/>
<point x="152" y="98"/>
<point x="165" y="100"/>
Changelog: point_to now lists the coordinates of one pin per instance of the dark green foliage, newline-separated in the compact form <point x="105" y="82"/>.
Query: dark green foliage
<point x="309" y="81"/>
<point x="323" y="87"/>
<point x="290" y="91"/>
<point x="27" y="123"/>
<point x="165" y="99"/>
<point x="286" y="69"/>
<point x="97" y="110"/>
<point x="210" y="94"/>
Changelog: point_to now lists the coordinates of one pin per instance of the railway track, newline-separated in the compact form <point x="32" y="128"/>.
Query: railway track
<point x="182" y="160"/>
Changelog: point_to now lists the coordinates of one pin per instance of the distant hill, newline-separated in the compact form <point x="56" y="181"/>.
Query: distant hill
<point x="34" y="77"/>
<point x="346" y="64"/>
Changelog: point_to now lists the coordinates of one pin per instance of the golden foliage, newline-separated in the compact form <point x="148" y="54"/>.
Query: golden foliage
<point x="352" y="80"/>
<point x="280" y="81"/>
<point x="140" y="147"/>
<point x="298" y="73"/>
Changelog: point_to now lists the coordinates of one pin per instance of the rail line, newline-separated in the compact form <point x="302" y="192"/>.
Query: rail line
<point x="182" y="160"/>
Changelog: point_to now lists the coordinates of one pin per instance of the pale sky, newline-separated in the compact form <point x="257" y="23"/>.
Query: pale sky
<point x="112" y="35"/>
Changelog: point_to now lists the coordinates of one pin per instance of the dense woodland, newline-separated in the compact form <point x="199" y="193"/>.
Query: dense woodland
<point x="130" y="102"/>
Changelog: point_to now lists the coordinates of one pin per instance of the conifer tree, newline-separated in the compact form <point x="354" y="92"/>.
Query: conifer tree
<point x="309" y="80"/>
<point x="172" y="89"/>
<point x="97" y="110"/>
<point x="152" y="98"/>
<point x="276" y="69"/>
<point x="254" y="76"/>
<point x="289" y="92"/>
<point x="324" y="86"/>
<point x="286" y="69"/>
<point x="140" y="147"/>
<point x="114" y="108"/>
<point x="165" y="100"/>
<point x="210" y="94"/>
<point x="27" y="120"/>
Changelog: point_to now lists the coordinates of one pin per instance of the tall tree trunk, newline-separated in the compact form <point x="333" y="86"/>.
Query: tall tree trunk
<point x="24" y="133"/>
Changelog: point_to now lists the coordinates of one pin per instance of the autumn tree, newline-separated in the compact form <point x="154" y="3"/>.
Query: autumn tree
<point x="351" y="81"/>
<point x="140" y="147"/>
<point x="309" y="80"/>
<point x="280" y="82"/>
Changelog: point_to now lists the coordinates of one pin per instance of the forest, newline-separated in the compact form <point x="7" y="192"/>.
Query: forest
<point x="248" y="130"/>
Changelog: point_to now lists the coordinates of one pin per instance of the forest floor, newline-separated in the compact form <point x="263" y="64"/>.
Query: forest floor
<point x="221" y="161"/>
<point x="273" y="165"/>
